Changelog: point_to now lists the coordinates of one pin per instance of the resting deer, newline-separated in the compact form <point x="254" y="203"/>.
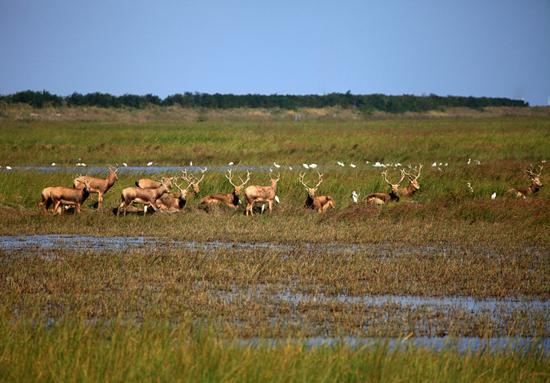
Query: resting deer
<point x="170" y="203"/>
<point x="255" y="194"/>
<point x="148" y="197"/>
<point x="413" y="174"/>
<point x="230" y="199"/>
<point x="147" y="183"/>
<point x="192" y="181"/>
<point x="382" y="198"/>
<point x="319" y="203"/>
<point x="98" y="185"/>
<point x="535" y="186"/>
<point x="58" y="195"/>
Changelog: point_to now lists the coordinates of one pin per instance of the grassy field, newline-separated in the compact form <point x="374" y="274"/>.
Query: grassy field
<point x="179" y="314"/>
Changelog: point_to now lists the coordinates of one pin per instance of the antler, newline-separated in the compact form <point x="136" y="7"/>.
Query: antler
<point x="385" y="174"/>
<point x="416" y="169"/>
<point x="182" y="191"/>
<point x="276" y="179"/>
<point x="229" y="177"/>
<point x="301" y="179"/>
<point x="530" y="171"/>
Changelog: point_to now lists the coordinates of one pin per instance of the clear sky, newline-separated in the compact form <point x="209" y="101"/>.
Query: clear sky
<point x="495" y="48"/>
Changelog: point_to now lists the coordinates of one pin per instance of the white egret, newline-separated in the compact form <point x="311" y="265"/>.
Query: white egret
<point x="305" y="166"/>
<point x="494" y="195"/>
<point x="277" y="199"/>
<point x="204" y="169"/>
<point x="341" y="163"/>
<point x="470" y="188"/>
<point x="353" y="165"/>
<point x="8" y="167"/>
<point x="150" y="163"/>
<point x="469" y="161"/>
<point x="53" y="164"/>
<point x="312" y="166"/>
<point x="230" y="163"/>
<point x="124" y="164"/>
<point x="276" y="165"/>
<point x="190" y="163"/>
<point x="290" y="168"/>
<point x="354" y="196"/>
<point x="434" y="164"/>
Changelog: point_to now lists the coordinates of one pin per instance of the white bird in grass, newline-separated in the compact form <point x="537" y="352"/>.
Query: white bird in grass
<point x="150" y="163"/>
<point x="354" y="196"/>
<point x="305" y="166"/>
<point x="230" y="163"/>
<point x="290" y="168"/>
<point x="353" y="165"/>
<point x="8" y="167"/>
<point x="378" y="165"/>
<point x="190" y="163"/>
<point x="312" y="166"/>
<point x="204" y="169"/>
<point x="434" y="164"/>
<point x="367" y="162"/>
<point x="53" y="164"/>
<point x="469" y="161"/>
<point x="276" y="165"/>
<point x="341" y="163"/>
<point x="470" y="188"/>
<point x="494" y="195"/>
<point x="124" y="164"/>
<point x="478" y="162"/>
<point x="277" y="199"/>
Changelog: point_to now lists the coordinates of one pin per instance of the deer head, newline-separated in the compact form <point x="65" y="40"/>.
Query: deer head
<point x="192" y="181"/>
<point x="413" y="174"/>
<point x="113" y="173"/>
<point x="311" y="190"/>
<point x="394" y="186"/>
<point x="237" y="188"/>
<point x="534" y="175"/>
<point x="275" y="180"/>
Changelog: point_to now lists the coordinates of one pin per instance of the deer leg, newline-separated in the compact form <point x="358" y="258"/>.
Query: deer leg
<point x="270" y="205"/>
<point x="78" y="207"/>
<point x="99" y="201"/>
<point x="56" y="207"/>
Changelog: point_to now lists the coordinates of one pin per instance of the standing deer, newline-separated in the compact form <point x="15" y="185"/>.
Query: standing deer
<point x="536" y="183"/>
<point x="382" y="198"/>
<point x="58" y="195"/>
<point x="230" y="199"/>
<point x="255" y="194"/>
<point x="413" y="185"/>
<point x="319" y="203"/>
<point x="148" y="197"/>
<point x="98" y="185"/>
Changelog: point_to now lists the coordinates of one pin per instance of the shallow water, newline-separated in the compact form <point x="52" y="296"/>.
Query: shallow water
<point x="77" y="242"/>
<point x="459" y="344"/>
<point x="102" y="170"/>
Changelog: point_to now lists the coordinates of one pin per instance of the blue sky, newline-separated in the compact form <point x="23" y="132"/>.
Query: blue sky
<point x="479" y="48"/>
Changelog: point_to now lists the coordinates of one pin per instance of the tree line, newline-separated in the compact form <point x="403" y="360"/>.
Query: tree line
<point x="366" y="103"/>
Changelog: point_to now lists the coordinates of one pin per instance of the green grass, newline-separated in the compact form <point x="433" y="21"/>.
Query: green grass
<point x="124" y="352"/>
<point x="142" y="314"/>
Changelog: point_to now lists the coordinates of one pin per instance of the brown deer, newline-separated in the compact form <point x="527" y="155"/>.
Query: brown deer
<point x="319" y="203"/>
<point x="255" y="194"/>
<point x="58" y="195"/>
<point x="230" y="199"/>
<point x="535" y="186"/>
<point x="147" y="183"/>
<point x="148" y="197"/>
<point x="382" y="198"/>
<point x="192" y="181"/>
<point x="413" y="174"/>
<point x="98" y="185"/>
<point x="171" y="204"/>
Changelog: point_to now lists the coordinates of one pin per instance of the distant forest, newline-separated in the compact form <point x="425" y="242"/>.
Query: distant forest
<point x="366" y="103"/>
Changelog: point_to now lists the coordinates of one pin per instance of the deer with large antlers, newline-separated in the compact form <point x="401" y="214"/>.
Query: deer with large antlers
<point x="231" y="200"/>
<point x="319" y="203"/>
<point x="58" y="195"/>
<point x="99" y="185"/>
<point x="147" y="197"/>
<point x="393" y="195"/>
<point x="192" y="181"/>
<point x="254" y="193"/>
<point x="412" y="174"/>
<point x="170" y="203"/>
<point x="536" y="183"/>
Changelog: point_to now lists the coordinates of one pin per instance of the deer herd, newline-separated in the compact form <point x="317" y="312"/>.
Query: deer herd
<point x="157" y="195"/>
